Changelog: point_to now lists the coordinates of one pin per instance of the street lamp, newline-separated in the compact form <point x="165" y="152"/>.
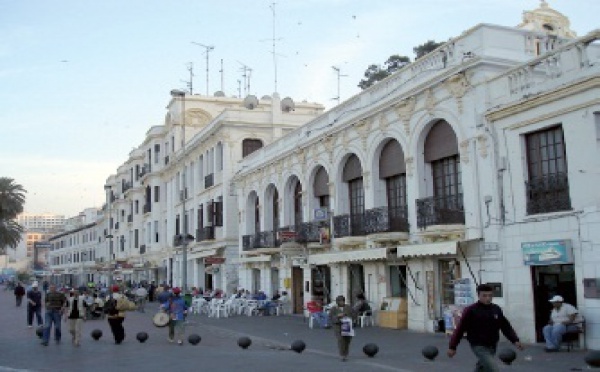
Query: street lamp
<point x="175" y="93"/>
<point x="109" y="236"/>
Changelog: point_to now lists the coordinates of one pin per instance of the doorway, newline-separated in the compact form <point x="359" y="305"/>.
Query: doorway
<point x="357" y="282"/>
<point x="321" y="282"/>
<point x="549" y="281"/>
<point x="274" y="281"/>
<point x="298" y="290"/>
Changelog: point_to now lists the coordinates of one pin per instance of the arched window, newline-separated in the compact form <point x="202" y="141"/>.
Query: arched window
<point x="353" y="176"/>
<point x="275" y="202"/>
<point x="250" y="145"/>
<point x="321" y="187"/>
<point x="392" y="169"/>
<point x="256" y="216"/>
<point x="298" y="204"/>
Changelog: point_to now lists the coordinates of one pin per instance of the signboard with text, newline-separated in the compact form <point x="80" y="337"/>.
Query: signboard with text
<point x="214" y="260"/>
<point x="552" y="252"/>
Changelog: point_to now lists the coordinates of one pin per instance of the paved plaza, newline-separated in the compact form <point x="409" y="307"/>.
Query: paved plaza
<point x="20" y="348"/>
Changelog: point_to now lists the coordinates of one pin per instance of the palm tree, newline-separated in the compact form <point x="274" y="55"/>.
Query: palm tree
<point x="12" y="198"/>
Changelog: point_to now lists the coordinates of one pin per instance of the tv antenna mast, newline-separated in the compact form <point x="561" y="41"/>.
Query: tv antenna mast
<point x="209" y="48"/>
<point x="247" y="75"/>
<point x="221" y="71"/>
<point x="190" y="83"/>
<point x="339" y="75"/>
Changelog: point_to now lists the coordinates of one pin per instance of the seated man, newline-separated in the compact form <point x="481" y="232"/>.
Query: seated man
<point x="563" y="318"/>
<point x="272" y="304"/>
<point x="315" y="310"/>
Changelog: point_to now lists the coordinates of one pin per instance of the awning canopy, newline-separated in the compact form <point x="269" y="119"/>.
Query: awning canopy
<point x="261" y="258"/>
<point x="348" y="256"/>
<point x="202" y="254"/>
<point x="433" y="249"/>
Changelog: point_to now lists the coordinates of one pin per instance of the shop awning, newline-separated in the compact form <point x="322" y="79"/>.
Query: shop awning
<point x="261" y="258"/>
<point x="348" y="256"/>
<point x="202" y="254"/>
<point x="432" y="249"/>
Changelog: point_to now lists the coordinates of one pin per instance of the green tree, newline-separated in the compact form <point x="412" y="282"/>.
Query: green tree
<point x="376" y="73"/>
<point x="421" y="50"/>
<point x="12" y="198"/>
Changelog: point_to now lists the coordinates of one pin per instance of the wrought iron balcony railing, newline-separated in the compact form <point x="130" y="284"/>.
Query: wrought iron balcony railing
<point x="147" y="208"/>
<point x="440" y="210"/>
<point x="548" y="194"/>
<point x="263" y="239"/>
<point x="205" y="233"/>
<point x="386" y="219"/>
<point x="349" y="225"/>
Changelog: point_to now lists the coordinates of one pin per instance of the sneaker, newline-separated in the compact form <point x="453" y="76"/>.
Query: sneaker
<point x="29" y="326"/>
<point x="170" y="340"/>
<point x="180" y="342"/>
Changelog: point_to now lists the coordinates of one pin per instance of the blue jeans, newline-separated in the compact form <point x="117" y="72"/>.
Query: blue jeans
<point x="485" y="358"/>
<point x="553" y="334"/>
<point x="52" y="316"/>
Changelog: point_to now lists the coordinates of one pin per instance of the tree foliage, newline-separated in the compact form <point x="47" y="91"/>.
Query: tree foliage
<point x="12" y="199"/>
<point x="376" y="73"/>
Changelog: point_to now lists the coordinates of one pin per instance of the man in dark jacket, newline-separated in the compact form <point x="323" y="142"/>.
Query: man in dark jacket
<point x="19" y="293"/>
<point x="482" y="322"/>
<point x="34" y="305"/>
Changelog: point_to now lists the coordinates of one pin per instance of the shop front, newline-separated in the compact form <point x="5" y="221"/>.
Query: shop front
<point x="552" y="273"/>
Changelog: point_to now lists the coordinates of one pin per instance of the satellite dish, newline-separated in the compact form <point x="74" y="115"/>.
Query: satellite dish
<point x="287" y="105"/>
<point x="265" y="98"/>
<point x="219" y="93"/>
<point x="250" y="102"/>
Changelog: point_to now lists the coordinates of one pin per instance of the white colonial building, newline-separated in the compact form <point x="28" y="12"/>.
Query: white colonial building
<point x="474" y="164"/>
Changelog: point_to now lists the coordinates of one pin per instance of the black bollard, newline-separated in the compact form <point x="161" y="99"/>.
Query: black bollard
<point x="142" y="337"/>
<point x="39" y="331"/>
<point x="507" y="356"/>
<point x="592" y="358"/>
<point x="194" y="339"/>
<point x="244" y="342"/>
<point x="430" y="352"/>
<point x="96" y="334"/>
<point x="298" y="346"/>
<point x="370" y="350"/>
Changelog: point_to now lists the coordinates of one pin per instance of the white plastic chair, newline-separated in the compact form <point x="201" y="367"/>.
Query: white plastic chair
<point x="221" y="308"/>
<point x="366" y="318"/>
<point x="251" y="307"/>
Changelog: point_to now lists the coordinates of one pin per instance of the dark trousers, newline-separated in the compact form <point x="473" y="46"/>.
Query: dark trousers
<point x="116" y="327"/>
<point x="343" y="344"/>
<point x="19" y="300"/>
<point x="37" y="310"/>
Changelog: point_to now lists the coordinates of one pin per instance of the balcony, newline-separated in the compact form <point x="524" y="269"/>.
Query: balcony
<point x="147" y="208"/>
<point x="129" y="218"/>
<point x="349" y="225"/>
<point x="440" y="210"/>
<point x="205" y="233"/>
<point x="548" y="194"/>
<point x="385" y="219"/>
<point x="307" y="232"/>
<point x="209" y="180"/>
<point x="127" y="186"/>
<point x="263" y="239"/>
<point x="142" y="248"/>
<point x="116" y="226"/>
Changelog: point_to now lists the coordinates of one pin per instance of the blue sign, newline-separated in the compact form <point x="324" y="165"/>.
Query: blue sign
<point x="551" y="252"/>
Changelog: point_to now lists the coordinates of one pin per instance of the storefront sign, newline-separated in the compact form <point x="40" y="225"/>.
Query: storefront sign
<point x="547" y="253"/>
<point x="214" y="260"/>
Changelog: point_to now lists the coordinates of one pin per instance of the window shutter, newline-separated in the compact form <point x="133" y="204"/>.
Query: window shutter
<point x="218" y="206"/>
<point x="211" y="214"/>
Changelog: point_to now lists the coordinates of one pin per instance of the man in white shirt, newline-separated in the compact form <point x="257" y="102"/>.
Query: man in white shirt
<point x="140" y="296"/>
<point x="563" y="318"/>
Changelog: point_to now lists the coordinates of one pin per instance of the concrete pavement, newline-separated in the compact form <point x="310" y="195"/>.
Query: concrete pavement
<point x="399" y="351"/>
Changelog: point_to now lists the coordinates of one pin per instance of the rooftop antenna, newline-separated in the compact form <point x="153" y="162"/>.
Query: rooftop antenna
<point x="209" y="48"/>
<point x="339" y="75"/>
<point x="246" y="74"/>
<point x="274" y="40"/>
<point x="239" y="88"/>
<point x="190" y="83"/>
<point x="221" y="71"/>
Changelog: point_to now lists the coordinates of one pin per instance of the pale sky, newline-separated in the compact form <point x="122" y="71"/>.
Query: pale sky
<point x="81" y="81"/>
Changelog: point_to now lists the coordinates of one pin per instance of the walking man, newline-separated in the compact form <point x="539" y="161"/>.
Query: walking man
<point x="75" y="313"/>
<point x="140" y="295"/>
<point x="177" y="310"/>
<point x="115" y="317"/>
<point x="55" y="301"/>
<point x="34" y="305"/>
<point x="482" y="322"/>
<point x="340" y="314"/>
<point x="19" y="293"/>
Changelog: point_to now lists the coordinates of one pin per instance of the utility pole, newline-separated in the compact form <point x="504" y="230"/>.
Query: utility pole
<point x="209" y="48"/>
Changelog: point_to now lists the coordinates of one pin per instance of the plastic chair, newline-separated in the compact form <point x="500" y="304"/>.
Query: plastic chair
<point x="365" y="318"/>
<point x="572" y="336"/>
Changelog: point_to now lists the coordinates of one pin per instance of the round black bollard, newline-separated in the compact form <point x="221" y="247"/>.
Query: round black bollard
<point x="430" y="352"/>
<point x="96" y="334"/>
<point x="142" y="337"/>
<point x="298" y="346"/>
<point x="194" y="339"/>
<point x="592" y="358"/>
<point x="39" y="331"/>
<point x="370" y="350"/>
<point x="507" y="356"/>
<point x="244" y="342"/>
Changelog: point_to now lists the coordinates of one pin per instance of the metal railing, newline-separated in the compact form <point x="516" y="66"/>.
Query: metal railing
<point x="349" y="225"/>
<point x="386" y="219"/>
<point x="263" y="239"/>
<point x="548" y="194"/>
<point x="440" y="210"/>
